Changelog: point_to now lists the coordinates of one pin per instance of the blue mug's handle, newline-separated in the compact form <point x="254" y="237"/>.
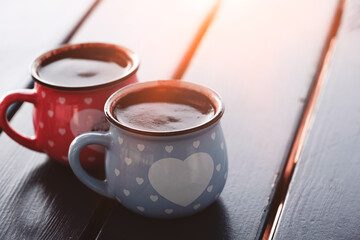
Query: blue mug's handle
<point x="76" y="146"/>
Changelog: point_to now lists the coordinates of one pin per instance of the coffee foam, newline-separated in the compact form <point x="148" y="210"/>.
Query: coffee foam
<point x="83" y="66"/>
<point x="163" y="109"/>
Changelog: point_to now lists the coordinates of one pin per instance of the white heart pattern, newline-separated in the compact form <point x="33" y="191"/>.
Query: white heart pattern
<point x="140" y="147"/>
<point x="88" y="100"/>
<point x="213" y="135"/>
<point x="51" y="113"/>
<point x="222" y="145"/>
<point x="182" y="182"/>
<point x="62" y="131"/>
<point x="43" y="94"/>
<point x="169" y="211"/>
<point x="196" y="144"/>
<point x="51" y="143"/>
<point x="139" y="180"/>
<point x="91" y="159"/>
<point x="120" y="140"/>
<point x="128" y="161"/>
<point x="126" y="192"/>
<point x="62" y="100"/>
<point x="141" y="209"/>
<point x="210" y="188"/>
<point x="154" y="198"/>
<point x="218" y="167"/>
<point x="169" y="148"/>
<point x="64" y="158"/>
<point x="196" y="206"/>
<point x="116" y="171"/>
<point x="217" y="196"/>
<point x="41" y="124"/>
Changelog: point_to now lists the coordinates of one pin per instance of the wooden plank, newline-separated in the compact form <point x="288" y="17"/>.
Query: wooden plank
<point x="160" y="56"/>
<point x="30" y="28"/>
<point x="160" y="32"/>
<point x="208" y="224"/>
<point x="39" y="199"/>
<point x="262" y="58"/>
<point x="323" y="199"/>
<point x="68" y="209"/>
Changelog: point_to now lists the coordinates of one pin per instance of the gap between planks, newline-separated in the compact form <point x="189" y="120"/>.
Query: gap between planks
<point x="184" y="63"/>
<point x="282" y="184"/>
<point x="100" y="214"/>
<point x="97" y="220"/>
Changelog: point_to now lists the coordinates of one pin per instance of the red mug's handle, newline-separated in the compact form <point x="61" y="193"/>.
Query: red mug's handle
<point x="24" y="95"/>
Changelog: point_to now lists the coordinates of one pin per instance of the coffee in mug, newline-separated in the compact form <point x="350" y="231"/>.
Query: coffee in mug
<point x="163" y="110"/>
<point x="83" y="67"/>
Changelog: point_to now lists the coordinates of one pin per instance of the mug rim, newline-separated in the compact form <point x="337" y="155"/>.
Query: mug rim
<point x="131" y="57"/>
<point x="212" y="95"/>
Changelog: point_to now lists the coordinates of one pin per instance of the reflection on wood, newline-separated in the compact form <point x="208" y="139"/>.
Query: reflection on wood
<point x="262" y="58"/>
<point x="160" y="32"/>
<point x="323" y="200"/>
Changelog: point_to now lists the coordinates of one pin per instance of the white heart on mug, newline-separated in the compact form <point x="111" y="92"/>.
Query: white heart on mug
<point x="51" y="113"/>
<point x="62" y="131"/>
<point x="128" y="161"/>
<point x="126" y="192"/>
<point x="182" y="182"/>
<point x="218" y="167"/>
<point x="88" y="100"/>
<point x="51" y="143"/>
<point x="140" y="208"/>
<point x="217" y="195"/>
<point x="169" y="148"/>
<point x="141" y="147"/>
<point x="154" y="198"/>
<point x="62" y="100"/>
<point x="168" y="211"/>
<point x="196" y="144"/>
<point x="139" y="180"/>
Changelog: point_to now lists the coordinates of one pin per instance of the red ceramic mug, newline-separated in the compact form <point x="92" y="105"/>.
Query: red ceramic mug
<point x="72" y="84"/>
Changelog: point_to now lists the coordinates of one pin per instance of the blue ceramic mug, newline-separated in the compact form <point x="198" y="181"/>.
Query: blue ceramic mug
<point x="161" y="174"/>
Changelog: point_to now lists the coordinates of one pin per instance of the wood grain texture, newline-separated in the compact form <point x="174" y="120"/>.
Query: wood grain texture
<point x="262" y="57"/>
<point x="54" y="204"/>
<point x="28" y="29"/>
<point x="209" y="224"/>
<point x="39" y="199"/>
<point x="159" y="31"/>
<point x="323" y="199"/>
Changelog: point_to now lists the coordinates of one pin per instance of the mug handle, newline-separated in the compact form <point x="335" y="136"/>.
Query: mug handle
<point x="21" y="95"/>
<point x="76" y="146"/>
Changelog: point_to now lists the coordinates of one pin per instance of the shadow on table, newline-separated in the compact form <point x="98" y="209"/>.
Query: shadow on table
<point x="208" y="224"/>
<point x="51" y="191"/>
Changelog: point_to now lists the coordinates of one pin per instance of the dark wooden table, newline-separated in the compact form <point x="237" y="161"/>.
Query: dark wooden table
<point x="289" y="73"/>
